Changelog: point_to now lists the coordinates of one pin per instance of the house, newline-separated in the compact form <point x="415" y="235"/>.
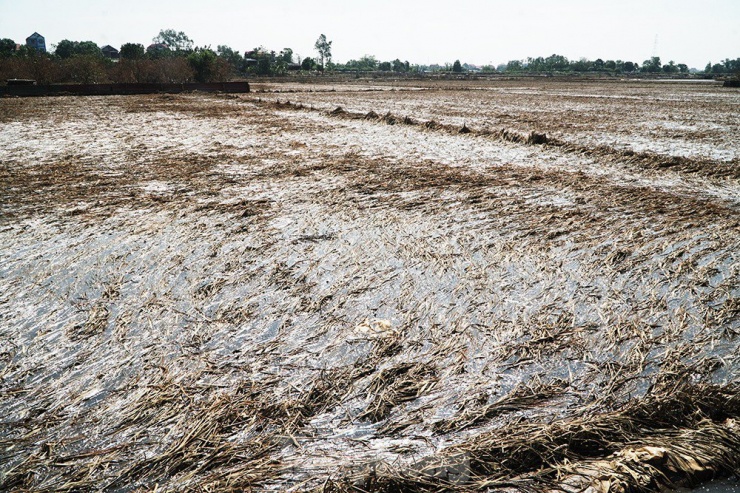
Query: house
<point x="157" y="48"/>
<point x="110" y="52"/>
<point x="37" y="42"/>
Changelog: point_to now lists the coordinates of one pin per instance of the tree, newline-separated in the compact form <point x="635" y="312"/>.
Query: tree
<point x="175" y="41"/>
<point x="535" y="64"/>
<point x="731" y="65"/>
<point x="307" y="64"/>
<point x="384" y="66"/>
<point x="581" y="65"/>
<point x="263" y="66"/>
<point x="653" y="65"/>
<point x="323" y="47"/>
<point x="514" y="66"/>
<point x="88" y="48"/>
<point x="83" y="69"/>
<point x="154" y="71"/>
<point x="65" y="49"/>
<point x="265" y="61"/>
<point x="230" y="56"/>
<point x="683" y="68"/>
<point x="399" y="66"/>
<point x="33" y="64"/>
<point x="367" y="62"/>
<point x="629" y="67"/>
<point x="557" y="63"/>
<point x="7" y="47"/>
<point x="132" y="51"/>
<point x="208" y="66"/>
<point x="456" y="67"/>
<point x="286" y="55"/>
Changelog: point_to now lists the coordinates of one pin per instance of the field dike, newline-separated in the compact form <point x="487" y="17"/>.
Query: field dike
<point x="645" y="160"/>
<point x="211" y="293"/>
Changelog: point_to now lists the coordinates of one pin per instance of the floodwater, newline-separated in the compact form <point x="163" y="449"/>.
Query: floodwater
<point x="268" y="295"/>
<point x="723" y="486"/>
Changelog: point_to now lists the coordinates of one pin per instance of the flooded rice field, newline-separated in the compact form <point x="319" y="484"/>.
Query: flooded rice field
<point x="417" y="286"/>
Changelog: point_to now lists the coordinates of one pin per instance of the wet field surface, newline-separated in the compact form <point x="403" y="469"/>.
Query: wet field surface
<point x="337" y="287"/>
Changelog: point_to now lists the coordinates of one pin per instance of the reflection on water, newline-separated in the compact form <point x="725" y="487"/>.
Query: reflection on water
<point x="723" y="486"/>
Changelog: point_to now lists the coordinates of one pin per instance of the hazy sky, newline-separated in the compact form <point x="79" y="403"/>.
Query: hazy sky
<point x="421" y="31"/>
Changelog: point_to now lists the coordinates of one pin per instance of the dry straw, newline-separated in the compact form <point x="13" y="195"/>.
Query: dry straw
<point x="261" y="303"/>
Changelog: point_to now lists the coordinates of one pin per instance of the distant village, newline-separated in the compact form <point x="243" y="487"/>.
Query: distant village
<point x="37" y="42"/>
<point x="172" y="57"/>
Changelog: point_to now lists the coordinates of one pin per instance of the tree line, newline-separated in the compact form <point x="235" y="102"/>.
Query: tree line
<point x="653" y="65"/>
<point x="173" y="57"/>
